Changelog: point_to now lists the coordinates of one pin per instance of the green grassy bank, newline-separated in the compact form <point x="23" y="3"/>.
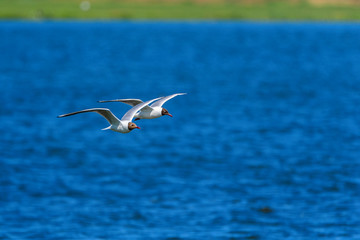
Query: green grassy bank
<point x="116" y="9"/>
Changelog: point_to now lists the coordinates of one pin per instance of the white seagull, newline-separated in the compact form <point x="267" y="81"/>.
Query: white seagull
<point x="148" y="112"/>
<point x="122" y="126"/>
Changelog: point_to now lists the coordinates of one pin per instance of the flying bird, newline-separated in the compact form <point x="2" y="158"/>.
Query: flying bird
<point x="122" y="126"/>
<point x="155" y="110"/>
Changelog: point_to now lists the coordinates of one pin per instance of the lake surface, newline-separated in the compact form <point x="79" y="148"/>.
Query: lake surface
<point x="265" y="145"/>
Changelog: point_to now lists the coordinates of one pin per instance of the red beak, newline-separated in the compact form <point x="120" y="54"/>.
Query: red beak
<point x="138" y="127"/>
<point x="170" y="115"/>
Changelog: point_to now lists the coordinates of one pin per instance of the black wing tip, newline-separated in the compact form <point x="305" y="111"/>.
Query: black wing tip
<point x="105" y="101"/>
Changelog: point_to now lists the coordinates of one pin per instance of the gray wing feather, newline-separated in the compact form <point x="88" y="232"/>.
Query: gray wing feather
<point x="160" y="102"/>
<point x="131" y="102"/>
<point x="106" y="113"/>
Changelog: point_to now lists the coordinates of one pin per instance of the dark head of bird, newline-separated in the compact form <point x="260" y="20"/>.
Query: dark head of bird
<point x="165" y="112"/>
<point x="132" y="126"/>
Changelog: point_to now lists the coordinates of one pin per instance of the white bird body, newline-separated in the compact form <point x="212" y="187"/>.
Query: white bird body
<point x="155" y="110"/>
<point x="149" y="113"/>
<point x="122" y="126"/>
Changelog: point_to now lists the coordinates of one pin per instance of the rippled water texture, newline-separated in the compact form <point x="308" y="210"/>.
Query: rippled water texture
<point x="265" y="145"/>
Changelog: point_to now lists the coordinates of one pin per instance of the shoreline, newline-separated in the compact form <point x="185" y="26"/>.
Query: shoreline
<point x="183" y="21"/>
<point x="175" y="11"/>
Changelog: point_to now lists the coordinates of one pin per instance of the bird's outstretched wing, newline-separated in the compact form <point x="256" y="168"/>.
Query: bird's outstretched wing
<point x="130" y="101"/>
<point x="129" y="115"/>
<point x="160" y="102"/>
<point x="106" y="113"/>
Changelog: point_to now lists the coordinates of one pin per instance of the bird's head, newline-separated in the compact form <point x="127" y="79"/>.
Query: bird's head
<point x="132" y="126"/>
<point x="165" y="112"/>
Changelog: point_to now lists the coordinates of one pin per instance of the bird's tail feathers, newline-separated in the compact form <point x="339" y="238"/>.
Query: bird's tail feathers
<point x="107" y="128"/>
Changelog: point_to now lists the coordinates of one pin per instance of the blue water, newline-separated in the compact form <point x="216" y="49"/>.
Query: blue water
<point x="265" y="145"/>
